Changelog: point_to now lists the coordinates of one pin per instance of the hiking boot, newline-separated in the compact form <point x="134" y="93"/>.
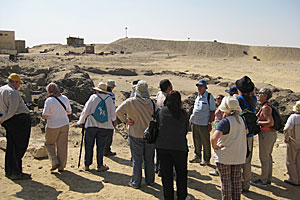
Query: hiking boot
<point x="54" y="167"/>
<point x="204" y="163"/>
<point x="110" y="153"/>
<point x="103" y="168"/>
<point x="259" y="183"/>
<point x="289" y="181"/>
<point x="214" y="173"/>
<point x="86" y="168"/>
<point x="131" y="185"/>
<point x="20" y="176"/>
<point x="195" y="160"/>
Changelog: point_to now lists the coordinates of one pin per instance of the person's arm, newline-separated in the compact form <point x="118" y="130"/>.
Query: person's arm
<point x="13" y="102"/>
<point x="267" y="113"/>
<point x="69" y="108"/>
<point x="86" y="111"/>
<point x="214" y="140"/>
<point x="288" y="129"/>
<point x="122" y="111"/>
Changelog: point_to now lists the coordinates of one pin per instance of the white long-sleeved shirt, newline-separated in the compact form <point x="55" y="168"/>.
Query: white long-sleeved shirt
<point x="11" y="103"/>
<point x="90" y="107"/>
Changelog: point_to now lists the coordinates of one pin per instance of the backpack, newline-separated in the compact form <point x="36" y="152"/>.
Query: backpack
<point x="100" y="114"/>
<point x="151" y="132"/>
<point x="250" y="118"/>
<point x="277" y="119"/>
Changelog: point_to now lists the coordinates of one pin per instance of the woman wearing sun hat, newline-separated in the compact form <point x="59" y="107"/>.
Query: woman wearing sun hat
<point x="229" y="144"/>
<point x="292" y="138"/>
<point x="95" y="130"/>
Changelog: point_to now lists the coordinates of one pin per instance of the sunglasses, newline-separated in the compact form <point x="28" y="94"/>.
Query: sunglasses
<point x="219" y="98"/>
<point x="261" y="93"/>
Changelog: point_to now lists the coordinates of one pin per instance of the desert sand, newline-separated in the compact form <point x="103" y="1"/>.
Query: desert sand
<point x="278" y="66"/>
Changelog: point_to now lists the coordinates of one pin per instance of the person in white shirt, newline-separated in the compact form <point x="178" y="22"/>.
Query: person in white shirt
<point x="56" y="110"/>
<point x="95" y="130"/>
<point x="292" y="139"/>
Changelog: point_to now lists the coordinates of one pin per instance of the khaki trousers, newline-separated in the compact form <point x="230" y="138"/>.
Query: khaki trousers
<point x="266" y="142"/>
<point x="247" y="166"/>
<point x="57" y="145"/>
<point x="201" y="137"/>
<point x="293" y="162"/>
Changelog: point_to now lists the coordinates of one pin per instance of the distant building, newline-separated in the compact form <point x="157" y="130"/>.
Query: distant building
<point x="20" y="46"/>
<point x="76" y="42"/>
<point x="90" y="49"/>
<point x="7" y="42"/>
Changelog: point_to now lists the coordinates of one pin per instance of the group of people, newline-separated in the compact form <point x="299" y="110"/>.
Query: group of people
<point x="231" y="141"/>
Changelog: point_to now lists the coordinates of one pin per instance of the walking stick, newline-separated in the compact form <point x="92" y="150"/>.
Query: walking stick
<point x="82" y="138"/>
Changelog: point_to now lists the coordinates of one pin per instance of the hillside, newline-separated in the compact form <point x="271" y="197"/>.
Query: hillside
<point x="189" y="48"/>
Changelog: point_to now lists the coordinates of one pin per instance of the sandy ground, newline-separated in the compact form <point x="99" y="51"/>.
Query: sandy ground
<point x="75" y="183"/>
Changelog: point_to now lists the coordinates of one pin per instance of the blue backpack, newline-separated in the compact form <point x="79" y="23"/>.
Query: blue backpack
<point x="100" y="113"/>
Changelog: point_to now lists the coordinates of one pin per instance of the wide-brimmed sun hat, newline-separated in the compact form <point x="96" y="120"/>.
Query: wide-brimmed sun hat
<point x="111" y="83"/>
<point x="296" y="107"/>
<point x="15" y="77"/>
<point x="245" y="85"/>
<point x="102" y="87"/>
<point x="141" y="89"/>
<point x="230" y="104"/>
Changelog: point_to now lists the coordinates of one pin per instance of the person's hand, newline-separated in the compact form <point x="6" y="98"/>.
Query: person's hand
<point x="217" y="147"/>
<point x="115" y="123"/>
<point x="1" y="122"/>
<point x="130" y="122"/>
<point x="209" y="126"/>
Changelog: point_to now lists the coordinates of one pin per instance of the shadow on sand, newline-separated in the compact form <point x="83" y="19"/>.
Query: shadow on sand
<point x="35" y="190"/>
<point x="123" y="179"/>
<point x="78" y="183"/>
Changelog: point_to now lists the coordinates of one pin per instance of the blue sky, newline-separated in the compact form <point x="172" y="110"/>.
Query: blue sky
<point x="255" y="22"/>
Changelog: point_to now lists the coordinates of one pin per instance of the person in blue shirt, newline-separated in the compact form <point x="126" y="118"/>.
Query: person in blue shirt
<point x="107" y="148"/>
<point x="247" y="99"/>
<point x="201" y="121"/>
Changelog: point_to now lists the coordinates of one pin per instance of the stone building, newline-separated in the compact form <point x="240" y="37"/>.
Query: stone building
<point x="90" y="49"/>
<point x="7" y="42"/>
<point x="76" y="42"/>
<point x="20" y="46"/>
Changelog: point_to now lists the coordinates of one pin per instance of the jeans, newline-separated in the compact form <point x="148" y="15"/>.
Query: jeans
<point x="92" y="134"/>
<point x="170" y="158"/>
<point x="141" y="152"/>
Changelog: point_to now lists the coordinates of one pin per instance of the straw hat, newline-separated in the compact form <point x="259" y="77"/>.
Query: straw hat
<point x="102" y="87"/>
<point x="230" y="104"/>
<point x="296" y="107"/>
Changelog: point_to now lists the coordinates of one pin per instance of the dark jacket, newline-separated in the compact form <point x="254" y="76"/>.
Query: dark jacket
<point x="172" y="131"/>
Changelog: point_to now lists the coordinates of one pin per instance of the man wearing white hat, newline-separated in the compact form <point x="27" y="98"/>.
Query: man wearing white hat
<point x="97" y="118"/>
<point x="15" y="118"/>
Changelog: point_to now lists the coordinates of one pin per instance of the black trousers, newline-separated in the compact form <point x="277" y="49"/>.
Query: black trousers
<point x="178" y="159"/>
<point x="108" y="142"/>
<point x="17" y="137"/>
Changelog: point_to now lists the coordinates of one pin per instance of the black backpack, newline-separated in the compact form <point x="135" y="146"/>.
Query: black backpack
<point x="276" y="117"/>
<point x="250" y="118"/>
